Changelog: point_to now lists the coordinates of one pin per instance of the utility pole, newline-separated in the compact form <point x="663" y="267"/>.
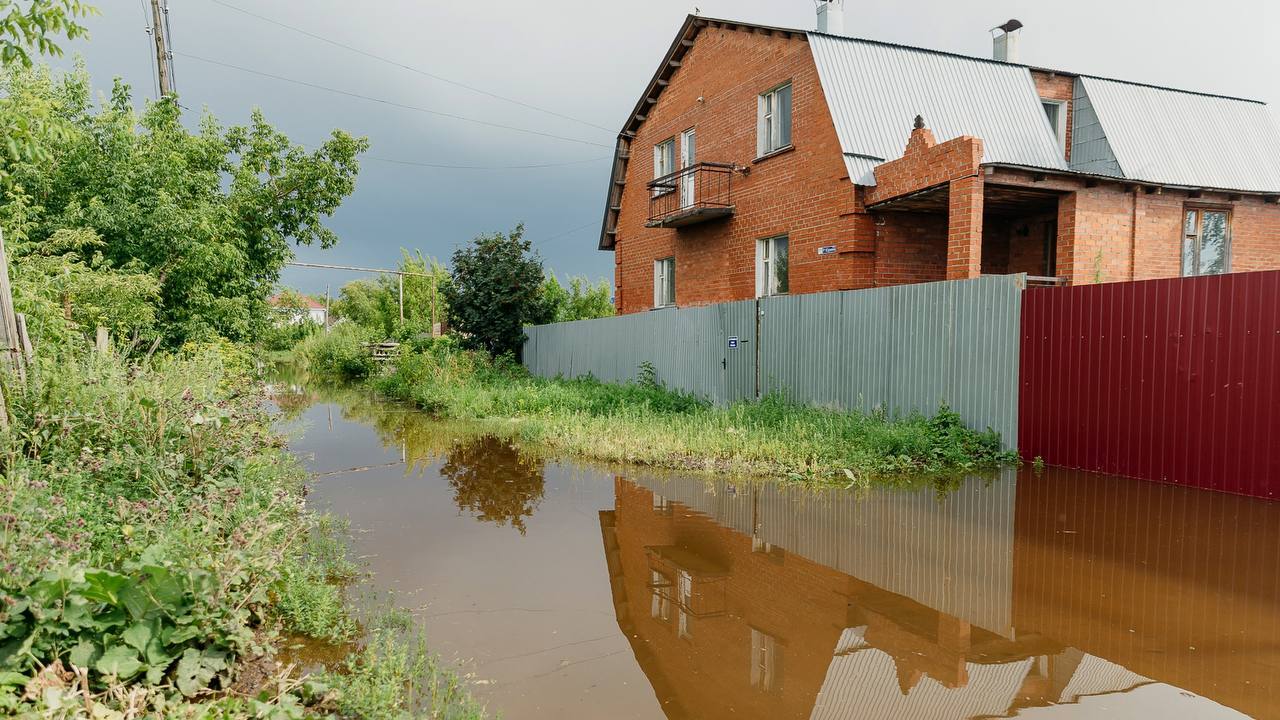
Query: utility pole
<point x="163" y="59"/>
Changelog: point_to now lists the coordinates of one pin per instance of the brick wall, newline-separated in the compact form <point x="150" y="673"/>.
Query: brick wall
<point x="1110" y="231"/>
<point x="910" y="248"/>
<point x="925" y="164"/>
<point x="1107" y="231"/>
<point x="804" y="193"/>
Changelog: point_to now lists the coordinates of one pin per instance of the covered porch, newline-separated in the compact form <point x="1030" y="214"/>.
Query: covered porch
<point x="983" y="228"/>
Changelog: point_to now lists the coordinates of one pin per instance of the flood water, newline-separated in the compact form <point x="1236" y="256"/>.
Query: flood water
<point x="572" y="591"/>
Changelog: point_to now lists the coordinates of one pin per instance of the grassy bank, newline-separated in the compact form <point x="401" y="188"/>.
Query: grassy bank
<point x="642" y="422"/>
<point x="155" y="549"/>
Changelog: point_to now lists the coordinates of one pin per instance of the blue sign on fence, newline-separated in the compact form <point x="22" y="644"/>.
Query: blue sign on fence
<point x="733" y="341"/>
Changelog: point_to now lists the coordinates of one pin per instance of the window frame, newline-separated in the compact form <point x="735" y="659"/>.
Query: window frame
<point x="764" y="144"/>
<point x="660" y="284"/>
<point x="1060" y="125"/>
<point x="1198" y="235"/>
<point x="670" y="160"/>
<point x="766" y="280"/>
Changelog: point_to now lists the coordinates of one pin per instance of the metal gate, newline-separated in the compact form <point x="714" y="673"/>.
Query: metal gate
<point x="741" y="343"/>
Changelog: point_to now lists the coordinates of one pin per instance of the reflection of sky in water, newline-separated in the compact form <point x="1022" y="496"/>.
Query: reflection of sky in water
<point x="1003" y="597"/>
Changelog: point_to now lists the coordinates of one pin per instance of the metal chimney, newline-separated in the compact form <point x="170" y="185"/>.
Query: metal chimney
<point x="831" y="16"/>
<point x="1004" y="42"/>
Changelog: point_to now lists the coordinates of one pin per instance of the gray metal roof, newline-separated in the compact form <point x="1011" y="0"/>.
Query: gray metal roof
<point x="1175" y="137"/>
<point x="875" y="90"/>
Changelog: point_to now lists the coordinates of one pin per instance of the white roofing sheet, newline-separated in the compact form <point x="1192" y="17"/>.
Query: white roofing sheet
<point x="1183" y="138"/>
<point x="875" y="90"/>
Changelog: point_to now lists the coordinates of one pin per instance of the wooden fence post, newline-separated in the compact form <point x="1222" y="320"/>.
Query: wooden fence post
<point x="102" y="343"/>
<point x="9" y="342"/>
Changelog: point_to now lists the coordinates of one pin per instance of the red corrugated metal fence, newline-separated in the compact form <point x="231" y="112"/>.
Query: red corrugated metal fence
<point x="1172" y="380"/>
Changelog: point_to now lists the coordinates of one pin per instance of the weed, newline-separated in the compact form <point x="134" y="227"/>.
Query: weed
<point x="643" y="422"/>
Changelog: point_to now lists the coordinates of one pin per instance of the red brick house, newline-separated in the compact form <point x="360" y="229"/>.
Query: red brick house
<point x="763" y="160"/>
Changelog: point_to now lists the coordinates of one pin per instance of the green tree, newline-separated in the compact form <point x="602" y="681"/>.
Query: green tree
<point x="34" y="24"/>
<point x="495" y="291"/>
<point x="212" y="214"/>
<point x="24" y="27"/>
<point x="67" y="288"/>
<point x="375" y="303"/>
<point x="580" y="301"/>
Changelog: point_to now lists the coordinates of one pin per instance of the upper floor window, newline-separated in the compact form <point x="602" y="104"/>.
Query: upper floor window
<point x="664" y="163"/>
<point x="664" y="282"/>
<point x="771" y="266"/>
<point x="1206" y="242"/>
<point x="1056" y="111"/>
<point x="773" y="127"/>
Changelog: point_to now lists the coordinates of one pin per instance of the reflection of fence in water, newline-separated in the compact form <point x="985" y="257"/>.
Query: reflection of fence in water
<point x="953" y="553"/>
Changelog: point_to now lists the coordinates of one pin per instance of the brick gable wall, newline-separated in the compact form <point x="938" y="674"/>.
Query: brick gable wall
<point x="804" y="193"/>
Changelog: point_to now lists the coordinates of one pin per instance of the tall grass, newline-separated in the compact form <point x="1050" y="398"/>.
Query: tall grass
<point x="643" y="422"/>
<point x="154" y="544"/>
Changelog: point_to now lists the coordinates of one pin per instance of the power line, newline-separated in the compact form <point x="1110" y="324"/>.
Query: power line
<point x="557" y="236"/>
<point x="485" y="167"/>
<point x="410" y="68"/>
<point x="391" y="103"/>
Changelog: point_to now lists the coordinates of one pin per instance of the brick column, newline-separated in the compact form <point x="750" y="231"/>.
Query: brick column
<point x="964" y="228"/>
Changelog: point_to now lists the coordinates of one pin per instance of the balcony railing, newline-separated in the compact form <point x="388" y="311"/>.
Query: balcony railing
<point x="700" y="192"/>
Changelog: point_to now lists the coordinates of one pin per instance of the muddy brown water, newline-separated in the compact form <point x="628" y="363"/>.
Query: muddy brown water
<point x="573" y="591"/>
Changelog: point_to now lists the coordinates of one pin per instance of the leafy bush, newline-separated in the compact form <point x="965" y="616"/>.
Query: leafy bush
<point x="150" y="528"/>
<point x="495" y="291"/>
<point x="340" y="353"/>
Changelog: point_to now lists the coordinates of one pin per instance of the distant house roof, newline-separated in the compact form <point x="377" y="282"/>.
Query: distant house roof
<point x="874" y="90"/>
<point x="1120" y="129"/>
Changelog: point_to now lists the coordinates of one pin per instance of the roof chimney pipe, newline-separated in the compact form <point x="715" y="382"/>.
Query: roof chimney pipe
<point x="831" y="16"/>
<point x="1004" y="44"/>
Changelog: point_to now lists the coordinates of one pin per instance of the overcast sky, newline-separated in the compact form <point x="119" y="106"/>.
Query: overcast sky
<point x="588" y="61"/>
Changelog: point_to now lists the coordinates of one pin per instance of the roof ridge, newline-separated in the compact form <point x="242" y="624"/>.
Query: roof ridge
<point x="979" y="58"/>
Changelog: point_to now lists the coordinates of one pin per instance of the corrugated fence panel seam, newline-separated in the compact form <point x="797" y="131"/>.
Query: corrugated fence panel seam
<point x="905" y="349"/>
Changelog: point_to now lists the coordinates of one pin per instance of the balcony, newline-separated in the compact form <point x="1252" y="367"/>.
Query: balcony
<point x="694" y="194"/>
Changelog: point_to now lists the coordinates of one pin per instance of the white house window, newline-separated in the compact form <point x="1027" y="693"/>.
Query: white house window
<point x="664" y="282"/>
<point x="660" y="603"/>
<point x="771" y="266"/>
<point x="764" y="660"/>
<point x="664" y="163"/>
<point x="773" y="129"/>
<point x="1206" y="242"/>
<point x="1056" y="111"/>
<point x="684" y="599"/>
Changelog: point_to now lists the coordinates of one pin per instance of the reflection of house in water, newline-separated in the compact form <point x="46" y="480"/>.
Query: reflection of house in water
<point x="767" y="602"/>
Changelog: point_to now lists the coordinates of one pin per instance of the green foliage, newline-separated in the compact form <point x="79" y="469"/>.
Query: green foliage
<point x="159" y="623"/>
<point x="67" y="288"/>
<point x="390" y="679"/>
<point x="291" y="322"/>
<point x="580" y="301"/>
<point x="375" y="304"/>
<point x="339" y="354"/>
<point x="496" y="291"/>
<point x="33" y="24"/>
<point x="148" y="519"/>
<point x="641" y="421"/>
<point x="210" y="215"/>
